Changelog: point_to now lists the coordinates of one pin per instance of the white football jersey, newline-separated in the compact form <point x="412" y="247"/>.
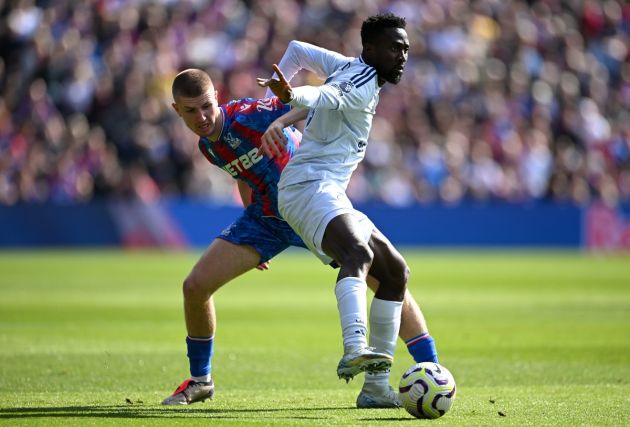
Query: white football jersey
<point x="341" y="110"/>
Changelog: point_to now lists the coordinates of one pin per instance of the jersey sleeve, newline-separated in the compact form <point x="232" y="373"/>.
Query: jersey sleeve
<point x="300" y="55"/>
<point x="258" y="114"/>
<point x="342" y="95"/>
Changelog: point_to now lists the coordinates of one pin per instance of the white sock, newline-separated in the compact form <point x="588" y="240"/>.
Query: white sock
<point x="376" y="381"/>
<point x="384" y="327"/>
<point x="352" y="306"/>
<point x="201" y="379"/>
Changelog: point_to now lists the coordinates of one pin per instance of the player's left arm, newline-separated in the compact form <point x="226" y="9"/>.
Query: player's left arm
<point x="338" y="95"/>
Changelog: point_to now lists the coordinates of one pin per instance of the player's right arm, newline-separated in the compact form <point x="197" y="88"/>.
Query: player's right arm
<point x="329" y="96"/>
<point x="300" y="55"/>
<point x="274" y="141"/>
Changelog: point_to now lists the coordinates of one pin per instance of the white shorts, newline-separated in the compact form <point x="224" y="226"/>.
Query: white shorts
<point x="308" y="208"/>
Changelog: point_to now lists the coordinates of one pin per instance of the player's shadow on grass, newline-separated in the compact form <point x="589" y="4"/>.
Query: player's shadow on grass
<point x="146" y="412"/>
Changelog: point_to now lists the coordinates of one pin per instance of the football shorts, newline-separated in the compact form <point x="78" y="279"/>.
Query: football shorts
<point x="267" y="234"/>
<point x="309" y="206"/>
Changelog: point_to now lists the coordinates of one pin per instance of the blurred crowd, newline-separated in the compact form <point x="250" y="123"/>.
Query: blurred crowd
<point x="501" y="99"/>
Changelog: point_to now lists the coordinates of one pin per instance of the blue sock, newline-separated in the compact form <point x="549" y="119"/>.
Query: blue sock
<point x="422" y="348"/>
<point x="200" y="355"/>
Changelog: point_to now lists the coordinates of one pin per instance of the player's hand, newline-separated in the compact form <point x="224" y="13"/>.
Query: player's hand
<point x="273" y="141"/>
<point x="281" y="88"/>
<point x="263" y="266"/>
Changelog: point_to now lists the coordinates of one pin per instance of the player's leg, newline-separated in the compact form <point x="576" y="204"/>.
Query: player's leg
<point x="415" y="332"/>
<point x="344" y="241"/>
<point x="376" y="391"/>
<point x="220" y="263"/>
<point x="391" y="271"/>
<point x="413" y="328"/>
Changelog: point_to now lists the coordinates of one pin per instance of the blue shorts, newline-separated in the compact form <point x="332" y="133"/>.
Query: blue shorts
<point x="267" y="234"/>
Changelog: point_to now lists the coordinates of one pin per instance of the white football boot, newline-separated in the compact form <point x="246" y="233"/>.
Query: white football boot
<point x="363" y="359"/>
<point x="384" y="398"/>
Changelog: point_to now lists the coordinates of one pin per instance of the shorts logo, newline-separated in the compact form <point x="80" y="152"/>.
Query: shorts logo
<point x="227" y="231"/>
<point x="343" y="87"/>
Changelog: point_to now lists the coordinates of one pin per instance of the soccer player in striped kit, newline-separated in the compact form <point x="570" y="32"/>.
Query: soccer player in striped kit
<point x="313" y="201"/>
<point x="230" y="138"/>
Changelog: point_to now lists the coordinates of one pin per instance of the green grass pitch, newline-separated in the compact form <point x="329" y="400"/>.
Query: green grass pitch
<point x="97" y="338"/>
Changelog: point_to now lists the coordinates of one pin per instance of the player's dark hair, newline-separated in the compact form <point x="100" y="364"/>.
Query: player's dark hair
<point x="191" y="83"/>
<point x="374" y="25"/>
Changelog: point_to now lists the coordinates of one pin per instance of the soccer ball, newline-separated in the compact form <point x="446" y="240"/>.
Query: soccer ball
<point x="427" y="390"/>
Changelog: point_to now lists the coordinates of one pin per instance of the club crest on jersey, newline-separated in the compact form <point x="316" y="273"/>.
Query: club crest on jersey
<point x="231" y="141"/>
<point x="343" y="87"/>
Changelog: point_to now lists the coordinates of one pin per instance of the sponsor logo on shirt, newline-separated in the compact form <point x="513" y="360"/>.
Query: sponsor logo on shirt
<point x="243" y="162"/>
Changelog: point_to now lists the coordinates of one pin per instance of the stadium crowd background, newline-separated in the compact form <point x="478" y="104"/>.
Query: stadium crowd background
<point x="501" y="100"/>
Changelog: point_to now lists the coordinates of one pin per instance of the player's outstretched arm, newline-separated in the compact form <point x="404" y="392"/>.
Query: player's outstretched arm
<point x="280" y="87"/>
<point x="305" y="56"/>
<point x="274" y="141"/>
<point x="329" y="96"/>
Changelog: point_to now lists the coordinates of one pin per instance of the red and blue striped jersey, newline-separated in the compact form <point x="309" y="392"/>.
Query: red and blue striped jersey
<point x="244" y="122"/>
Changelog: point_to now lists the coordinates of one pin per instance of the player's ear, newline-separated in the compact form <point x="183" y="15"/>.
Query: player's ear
<point x="176" y="108"/>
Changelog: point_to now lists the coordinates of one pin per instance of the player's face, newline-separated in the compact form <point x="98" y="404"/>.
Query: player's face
<point x="390" y="52"/>
<point x="201" y="114"/>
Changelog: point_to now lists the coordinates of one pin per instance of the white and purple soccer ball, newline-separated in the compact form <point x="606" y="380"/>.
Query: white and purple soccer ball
<point x="427" y="390"/>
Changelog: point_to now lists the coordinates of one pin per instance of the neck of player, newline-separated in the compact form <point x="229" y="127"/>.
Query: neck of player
<point x="218" y="127"/>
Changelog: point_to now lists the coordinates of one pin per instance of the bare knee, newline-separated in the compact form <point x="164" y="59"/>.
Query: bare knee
<point x="405" y="273"/>
<point x="393" y="283"/>
<point x="357" y="259"/>
<point x="197" y="288"/>
<point x="400" y="275"/>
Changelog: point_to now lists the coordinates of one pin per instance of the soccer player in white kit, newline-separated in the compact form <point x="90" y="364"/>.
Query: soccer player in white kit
<point x="312" y="196"/>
